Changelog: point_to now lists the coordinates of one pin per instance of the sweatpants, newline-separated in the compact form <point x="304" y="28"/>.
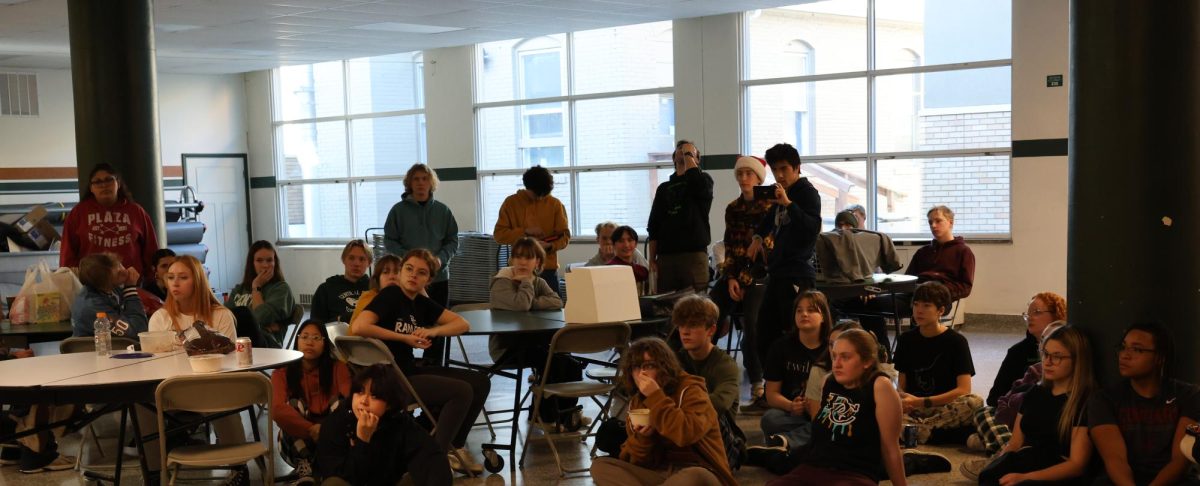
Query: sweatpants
<point x="610" y="471"/>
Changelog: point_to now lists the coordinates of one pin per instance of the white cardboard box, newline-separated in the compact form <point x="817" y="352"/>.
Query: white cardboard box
<point x="601" y="294"/>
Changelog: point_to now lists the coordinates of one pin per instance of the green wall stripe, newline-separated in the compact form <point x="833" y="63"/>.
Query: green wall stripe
<point x="262" y="182"/>
<point x="456" y="173"/>
<point x="718" y="161"/>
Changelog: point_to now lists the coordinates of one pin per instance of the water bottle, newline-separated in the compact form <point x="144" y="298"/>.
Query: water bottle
<point x="103" y="334"/>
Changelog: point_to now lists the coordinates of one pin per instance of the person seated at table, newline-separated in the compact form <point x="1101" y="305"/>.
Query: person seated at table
<point x="404" y="318"/>
<point x="518" y="287"/>
<point x="860" y="215"/>
<point x="374" y="442"/>
<point x="682" y="443"/>
<point x="607" y="251"/>
<point x="1050" y="442"/>
<point x="858" y="393"/>
<point x="625" y="241"/>
<point x="1138" y="422"/>
<point x="110" y="288"/>
<point x="947" y="260"/>
<point x="335" y="299"/>
<point x="787" y="426"/>
<point x="306" y="392"/>
<point x="190" y="299"/>
<point x="37" y="452"/>
<point x="935" y="369"/>
<point x="263" y="297"/>
<point x="160" y="261"/>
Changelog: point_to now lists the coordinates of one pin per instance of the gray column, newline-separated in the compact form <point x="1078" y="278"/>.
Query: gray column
<point x="116" y="96"/>
<point x="1133" y="238"/>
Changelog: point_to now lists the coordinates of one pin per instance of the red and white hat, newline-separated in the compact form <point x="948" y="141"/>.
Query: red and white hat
<point x="759" y="166"/>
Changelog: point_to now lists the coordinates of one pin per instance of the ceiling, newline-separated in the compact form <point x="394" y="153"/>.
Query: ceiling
<point x="234" y="36"/>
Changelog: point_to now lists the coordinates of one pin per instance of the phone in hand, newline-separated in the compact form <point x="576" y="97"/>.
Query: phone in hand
<point x="764" y="193"/>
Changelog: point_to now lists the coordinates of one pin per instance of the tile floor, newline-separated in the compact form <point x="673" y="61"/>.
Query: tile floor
<point x="988" y="345"/>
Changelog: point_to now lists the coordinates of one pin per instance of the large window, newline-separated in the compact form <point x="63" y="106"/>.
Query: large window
<point x="897" y="105"/>
<point x="596" y="107"/>
<point x="345" y="134"/>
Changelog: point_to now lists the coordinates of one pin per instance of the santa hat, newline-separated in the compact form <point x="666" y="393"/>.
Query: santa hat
<point x="759" y="166"/>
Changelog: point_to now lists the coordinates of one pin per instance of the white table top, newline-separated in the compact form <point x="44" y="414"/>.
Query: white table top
<point x="87" y="369"/>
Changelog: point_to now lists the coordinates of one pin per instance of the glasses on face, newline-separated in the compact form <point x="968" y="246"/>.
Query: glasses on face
<point x="1122" y="349"/>
<point x="1054" y="359"/>
<point x="1035" y="313"/>
<point x="104" y="181"/>
<point x="647" y="366"/>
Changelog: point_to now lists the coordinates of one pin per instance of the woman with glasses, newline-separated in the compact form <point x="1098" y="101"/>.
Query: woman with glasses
<point x="108" y="220"/>
<point x="681" y="444"/>
<point x="335" y="299"/>
<point x="1137" y="422"/>
<point x="1043" y="309"/>
<point x="305" y="393"/>
<point x="1050" y="442"/>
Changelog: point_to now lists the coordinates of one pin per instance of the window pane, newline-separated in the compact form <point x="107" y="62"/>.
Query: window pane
<point x="629" y="130"/>
<point x="385" y="83"/>
<point x="622" y="196"/>
<point x="623" y="58"/>
<point x="521" y="68"/>
<point x="495" y="188"/>
<point x="316" y="211"/>
<point x="825" y="117"/>
<point x="373" y="200"/>
<point x="318" y="149"/>
<point x="513" y="137"/>
<point x="976" y="188"/>
<point x="840" y="184"/>
<point x="311" y="91"/>
<point x="944" y="110"/>
<point x="925" y="32"/>
<point x="813" y="38"/>
<point x="387" y="146"/>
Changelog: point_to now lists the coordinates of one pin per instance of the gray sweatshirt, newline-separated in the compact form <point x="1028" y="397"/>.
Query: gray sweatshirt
<point x="522" y="295"/>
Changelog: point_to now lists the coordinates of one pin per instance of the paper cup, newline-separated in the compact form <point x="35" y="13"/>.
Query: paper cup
<point x="639" y="417"/>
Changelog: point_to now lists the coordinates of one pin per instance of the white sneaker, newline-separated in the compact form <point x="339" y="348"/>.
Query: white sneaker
<point x="975" y="443"/>
<point x="971" y="469"/>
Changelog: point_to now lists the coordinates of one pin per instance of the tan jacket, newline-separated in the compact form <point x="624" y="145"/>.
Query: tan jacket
<point x="690" y="423"/>
<point x="521" y="211"/>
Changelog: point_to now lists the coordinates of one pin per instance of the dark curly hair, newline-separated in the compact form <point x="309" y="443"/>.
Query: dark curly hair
<point x="538" y="180"/>
<point x="669" y="368"/>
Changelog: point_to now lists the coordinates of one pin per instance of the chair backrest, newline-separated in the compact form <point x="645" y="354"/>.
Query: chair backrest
<point x="361" y="351"/>
<point x="590" y="338"/>
<point x="297" y="314"/>
<point x="213" y="393"/>
<point x="337" y="329"/>
<point x="87" y="344"/>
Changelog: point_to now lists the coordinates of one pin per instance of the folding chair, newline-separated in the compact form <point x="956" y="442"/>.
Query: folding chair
<point x="87" y="344"/>
<point x="363" y="352"/>
<point x="208" y="394"/>
<point x="575" y="339"/>
<point x="336" y="330"/>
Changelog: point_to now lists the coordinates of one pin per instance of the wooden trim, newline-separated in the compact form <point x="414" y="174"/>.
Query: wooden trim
<point x="60" y="173"/>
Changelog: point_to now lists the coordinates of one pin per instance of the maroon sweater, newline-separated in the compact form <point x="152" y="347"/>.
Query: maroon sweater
<point x="124" y="229"/>
<point x="950" y="263"/>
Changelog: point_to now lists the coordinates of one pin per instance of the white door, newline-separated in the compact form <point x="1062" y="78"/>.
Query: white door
<point x="220" y="182"/>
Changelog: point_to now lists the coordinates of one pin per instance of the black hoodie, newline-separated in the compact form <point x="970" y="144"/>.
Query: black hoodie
<point x="335" y="299"/>
<point x="398" y="446"/>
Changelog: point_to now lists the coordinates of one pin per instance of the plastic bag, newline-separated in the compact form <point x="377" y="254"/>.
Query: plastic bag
<point x="199" y="339"/>
<point x="45" y="296"/>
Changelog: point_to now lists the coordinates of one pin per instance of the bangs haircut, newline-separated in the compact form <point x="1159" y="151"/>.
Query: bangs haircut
<point x="528" y="248"/>
<point x="381" y="265"/>
<point x="933" y="293"/>
<point x="695" y="311"/>
<point x="386" y="385"/>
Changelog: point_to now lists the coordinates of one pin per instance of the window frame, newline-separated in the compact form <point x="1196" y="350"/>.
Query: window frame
<point x="871" y="155"/>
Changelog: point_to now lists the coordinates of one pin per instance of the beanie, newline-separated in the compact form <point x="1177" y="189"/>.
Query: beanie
<point x="759" y="166"/>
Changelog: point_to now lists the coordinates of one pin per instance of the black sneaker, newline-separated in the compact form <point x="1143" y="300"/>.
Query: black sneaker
<point x="775" y="449"/>
<point x="921" y="462"/>
<point x="10" y="454"/>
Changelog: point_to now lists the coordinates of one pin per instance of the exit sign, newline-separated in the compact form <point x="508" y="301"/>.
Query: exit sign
<point x="1054" y="80"/>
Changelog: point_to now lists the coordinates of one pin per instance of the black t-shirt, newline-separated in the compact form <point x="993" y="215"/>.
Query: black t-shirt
<point x="1040" y="412"/>
<point x="931" y="365"/>
<point x="1147" y="424"/>
<point x="789" y="361"/>
<point x="403" y="315"/>
<point x="846" y="432"/>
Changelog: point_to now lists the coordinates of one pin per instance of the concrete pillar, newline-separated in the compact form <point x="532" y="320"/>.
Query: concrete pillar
<point x="1133" y="234"/>
<point x="116" y="96"/>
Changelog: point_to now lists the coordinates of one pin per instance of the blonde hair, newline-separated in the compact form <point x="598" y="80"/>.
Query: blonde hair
<point x="200" y="290"/>
<point x="356" y="244"/>
<point x="1081" y="383"/>
<point x="412" y="171"/>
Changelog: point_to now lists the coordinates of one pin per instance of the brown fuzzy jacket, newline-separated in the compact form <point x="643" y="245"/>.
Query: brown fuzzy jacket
<point x="692" y="423"/>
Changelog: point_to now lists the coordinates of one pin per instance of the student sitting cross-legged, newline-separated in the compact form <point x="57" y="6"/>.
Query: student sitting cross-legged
<point x="857" y="428"/>
<point x="374" y="442"/>
<point x="1050" y="442"/>
<point x="681" y="444"/>
<point x="935" y="369"/>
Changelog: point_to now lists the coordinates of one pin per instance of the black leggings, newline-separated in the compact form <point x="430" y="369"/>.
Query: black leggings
<point x="456" y="396"/>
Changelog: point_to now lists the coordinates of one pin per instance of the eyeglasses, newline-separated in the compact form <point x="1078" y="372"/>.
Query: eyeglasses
<point x="1121" y="348"/>
<point x="104" y="181"/>
<point x="1036" y="312"/>
<point x="1054" y="359"/>
<point x="310" y="337"/>
<point x="647" y="366"/>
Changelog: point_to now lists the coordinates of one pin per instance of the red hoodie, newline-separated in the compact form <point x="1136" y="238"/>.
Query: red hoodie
<point x="951" y="263"/>
<point x="124" y="229"/>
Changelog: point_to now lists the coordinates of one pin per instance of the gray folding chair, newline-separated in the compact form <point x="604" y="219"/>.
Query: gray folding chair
<point x="575" y="339"/>
<point x="337" y="329"/>
<point x="208" y="394"/>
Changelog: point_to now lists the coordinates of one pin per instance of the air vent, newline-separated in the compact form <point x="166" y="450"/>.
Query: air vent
<point x="18" y="94"/>
<point x="306" y="299"/>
